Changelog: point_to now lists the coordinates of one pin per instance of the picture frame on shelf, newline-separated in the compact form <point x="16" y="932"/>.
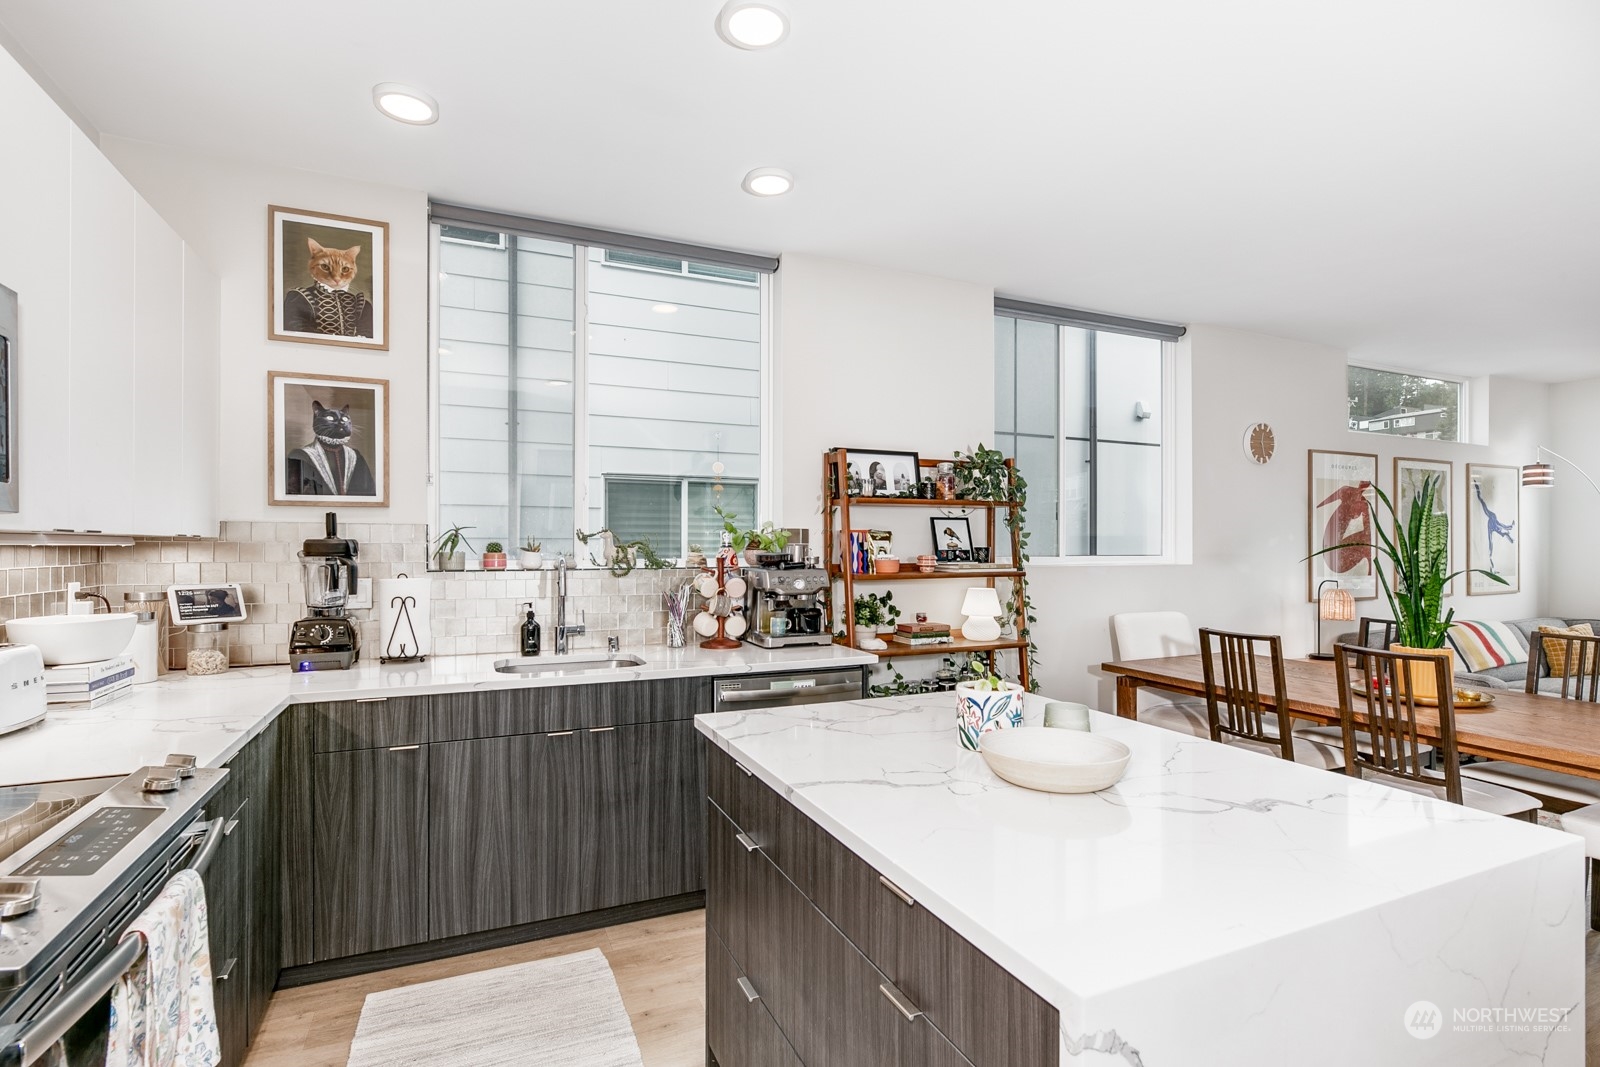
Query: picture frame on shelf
<point x="327" y="279"/>
<point x="952" y="539"/>
<point x="1339" y="512"/>
<point x="1409" y="475"/>
<point x="327" y="440"/>
<point x="1494" y="539"/>
<point x="874" y="472"/>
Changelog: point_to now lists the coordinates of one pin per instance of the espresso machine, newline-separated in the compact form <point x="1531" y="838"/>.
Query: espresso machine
<point x="326" y="639"/>
<point x="785" y="603"/>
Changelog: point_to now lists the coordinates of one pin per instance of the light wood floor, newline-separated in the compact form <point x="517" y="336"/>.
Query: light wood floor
<point x="659" y="965"/>
<point x="660" y="968"/>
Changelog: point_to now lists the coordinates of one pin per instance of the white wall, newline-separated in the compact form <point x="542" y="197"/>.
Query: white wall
<point x="1250" y="521"/>
<point x="1573" y="586"/>
<point x="220" y="207"/>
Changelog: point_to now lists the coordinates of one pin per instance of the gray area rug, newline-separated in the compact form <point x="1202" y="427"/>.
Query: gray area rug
<point x="560" y="1012"/>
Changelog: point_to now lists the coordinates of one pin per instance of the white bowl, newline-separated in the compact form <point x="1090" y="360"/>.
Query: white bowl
<point x="1055" y="760"/>
<point x="74" y="638"/>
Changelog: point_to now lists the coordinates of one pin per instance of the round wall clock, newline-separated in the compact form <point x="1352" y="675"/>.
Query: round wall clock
<point x="1259" y="443"/>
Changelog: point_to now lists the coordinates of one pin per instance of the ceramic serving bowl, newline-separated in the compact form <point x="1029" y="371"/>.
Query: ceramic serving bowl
<point x="74" y="638"/>
<point x="1055" y="761"/>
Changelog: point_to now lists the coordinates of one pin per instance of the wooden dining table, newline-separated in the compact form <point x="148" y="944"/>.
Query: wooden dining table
<point x="1537" y="731"/>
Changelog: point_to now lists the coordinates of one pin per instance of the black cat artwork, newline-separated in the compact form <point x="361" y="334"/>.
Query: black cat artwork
<point x="328" y="466"/>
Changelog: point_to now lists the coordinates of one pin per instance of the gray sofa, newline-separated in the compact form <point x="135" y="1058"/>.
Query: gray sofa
<point x="1516" y="675"/>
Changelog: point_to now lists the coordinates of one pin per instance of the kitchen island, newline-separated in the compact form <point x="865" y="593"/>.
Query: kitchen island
<point x="872" y="883"/>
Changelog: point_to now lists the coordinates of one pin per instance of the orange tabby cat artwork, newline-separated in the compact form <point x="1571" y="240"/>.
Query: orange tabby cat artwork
<point x="328" y="305"/>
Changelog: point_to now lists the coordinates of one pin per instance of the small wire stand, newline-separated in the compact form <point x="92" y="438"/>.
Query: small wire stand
<point x="405" y="604"/>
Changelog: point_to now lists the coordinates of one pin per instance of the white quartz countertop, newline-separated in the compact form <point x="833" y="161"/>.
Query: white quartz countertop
<point x="1199" y="852"/>
<point x="211" y="718"/>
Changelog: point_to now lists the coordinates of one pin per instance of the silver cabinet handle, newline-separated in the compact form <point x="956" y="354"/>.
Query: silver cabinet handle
<point x="749" y="991"/>
<point x="743" y="768"/>
<point x="227" y="831"/>
<point x="404" y="748"/>
<point x="911" y="1012"/>
<point x="371" y="700"/>
<point x="748" y="842"/>
<point x="905" y="898"/>
<point x="561" y="733"/>
<point x="226" y="971"/>
<point x="601" y="729"/>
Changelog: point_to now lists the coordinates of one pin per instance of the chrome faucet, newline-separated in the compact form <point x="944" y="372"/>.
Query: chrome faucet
<point x="563" y="631"/>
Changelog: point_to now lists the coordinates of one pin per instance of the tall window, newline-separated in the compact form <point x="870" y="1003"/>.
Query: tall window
<point x="1082" y="410"/>
<point x="580" y="386"/>
<point x="1404" y="405"/>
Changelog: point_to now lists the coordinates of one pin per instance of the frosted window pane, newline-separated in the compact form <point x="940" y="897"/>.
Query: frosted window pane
<point x="1128" y="513"/>
<point x="1074" y="498"/>
<point x="1036" y="377"/>
<point x="1037" y="459"/>
<point x="1127" y="372"/>
<point x="1005" y="369"/>
<point x="1075" y="377"/>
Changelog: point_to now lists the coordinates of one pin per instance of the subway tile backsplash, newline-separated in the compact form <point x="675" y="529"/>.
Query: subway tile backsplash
<point x="33" y="581"/>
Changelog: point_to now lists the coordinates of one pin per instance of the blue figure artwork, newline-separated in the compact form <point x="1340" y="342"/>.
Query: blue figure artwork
<point x="1493" y="527"/>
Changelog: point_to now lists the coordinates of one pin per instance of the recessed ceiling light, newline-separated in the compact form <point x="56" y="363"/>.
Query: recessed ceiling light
<point x="745" y="24"/>
<point x="405" y="104"/>
<point x="768" y="181"/>
<point x="664" y="309"/>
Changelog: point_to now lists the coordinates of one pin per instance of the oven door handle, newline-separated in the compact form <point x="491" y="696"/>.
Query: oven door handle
<point x="812" y="694"/>
<point x="53" y="1023"/>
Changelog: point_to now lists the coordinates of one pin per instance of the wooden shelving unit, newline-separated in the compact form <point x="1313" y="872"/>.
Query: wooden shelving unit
<point x="836" y="537"/>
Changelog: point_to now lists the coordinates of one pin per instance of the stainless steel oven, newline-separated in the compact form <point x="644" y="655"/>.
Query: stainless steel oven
<point x="68" y="894"/>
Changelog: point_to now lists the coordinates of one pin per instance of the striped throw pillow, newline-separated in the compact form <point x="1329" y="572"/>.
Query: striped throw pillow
<point x="1555" y="652"/>
<point x="1483" y="645"/>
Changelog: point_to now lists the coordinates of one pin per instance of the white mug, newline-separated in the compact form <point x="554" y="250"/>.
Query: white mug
<point x="1066" y="715"/>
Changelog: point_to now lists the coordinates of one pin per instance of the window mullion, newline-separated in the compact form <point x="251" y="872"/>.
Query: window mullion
<point x="580" y="387"/>
<point x="513" y="402"/>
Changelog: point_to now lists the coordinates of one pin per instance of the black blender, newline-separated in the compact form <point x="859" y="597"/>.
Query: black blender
<point x="326" y="639"/>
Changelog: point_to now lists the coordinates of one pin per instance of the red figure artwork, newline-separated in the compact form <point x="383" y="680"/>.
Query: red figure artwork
<point x="1350" y="525"/>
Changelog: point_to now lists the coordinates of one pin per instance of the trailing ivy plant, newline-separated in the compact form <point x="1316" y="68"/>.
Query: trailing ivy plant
<point x="982" y="474"/>
<point x="625" y="555"/>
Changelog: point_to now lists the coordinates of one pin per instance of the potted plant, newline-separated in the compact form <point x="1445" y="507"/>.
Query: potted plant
<point x="494" y="556"/>
<point x="752" y="543"/>
<point x="531" y="557"/>
<point x="984" y="703"/>
<point x="1418" y="552"/>
<point x="875" y="614"/>
<point x="447" y="550"/>
<point x="696" y="559"/>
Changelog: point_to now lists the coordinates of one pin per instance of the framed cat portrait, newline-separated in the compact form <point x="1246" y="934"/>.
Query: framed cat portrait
<point x="327" y="279"/>
<point x="327" y="440"/>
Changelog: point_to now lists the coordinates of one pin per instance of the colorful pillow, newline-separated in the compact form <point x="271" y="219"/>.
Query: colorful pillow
<point x="1555" y="652"/>
<point x="1486" y="645"/>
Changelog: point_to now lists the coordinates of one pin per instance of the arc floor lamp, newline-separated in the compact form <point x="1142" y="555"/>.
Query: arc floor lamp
<point x="1541" y="475"/>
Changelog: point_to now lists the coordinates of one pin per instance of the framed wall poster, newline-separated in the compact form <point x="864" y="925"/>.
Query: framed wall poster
<point x="1409" y="475"/>
<point x="10" y="497"/>
<point x="952" y="539"/>
<point x="881" y="473"/>
<point x="327" y="279"/>
<point x="1340" y="513"/>
<point x="1494" y="507"/>
<point x="327" y="440"/>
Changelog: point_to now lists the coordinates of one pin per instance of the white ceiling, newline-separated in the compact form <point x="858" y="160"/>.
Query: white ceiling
<point x="1417" y="181"/>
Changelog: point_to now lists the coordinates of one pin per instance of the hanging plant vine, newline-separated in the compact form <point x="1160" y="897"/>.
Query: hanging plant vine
<point x="982" y="474"/>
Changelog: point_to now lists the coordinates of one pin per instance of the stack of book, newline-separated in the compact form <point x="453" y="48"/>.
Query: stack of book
<point x="922" y="634"/>
<point x="89" y="684"/>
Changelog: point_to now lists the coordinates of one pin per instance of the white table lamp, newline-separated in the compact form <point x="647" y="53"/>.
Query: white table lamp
<point x="983" y="610"/>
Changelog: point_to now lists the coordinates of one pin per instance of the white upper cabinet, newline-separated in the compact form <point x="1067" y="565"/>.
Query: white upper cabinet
<point x="158" y="356"/>
<point x="201" y="423"/>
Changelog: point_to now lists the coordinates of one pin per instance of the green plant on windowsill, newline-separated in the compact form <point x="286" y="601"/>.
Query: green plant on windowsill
<point x="625" y="555"/>
<point x="765" y="538"/>
<point x="447" y="549"/>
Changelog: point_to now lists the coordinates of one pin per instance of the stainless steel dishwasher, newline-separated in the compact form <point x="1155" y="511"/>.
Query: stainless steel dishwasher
<point x="755" y="692"/>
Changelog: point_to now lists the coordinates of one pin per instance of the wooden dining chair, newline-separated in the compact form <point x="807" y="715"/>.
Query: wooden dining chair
<point x="1376" y="686"/>
<point x="1240" y="711"/>
<point x="1386" y="631"/>
<point x="1575" y="667"/>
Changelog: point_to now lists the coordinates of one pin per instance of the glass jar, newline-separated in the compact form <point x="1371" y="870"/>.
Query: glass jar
<point x="155" y="606"/>
<point x="208" y="648"/>
<point x="945" y="483"/>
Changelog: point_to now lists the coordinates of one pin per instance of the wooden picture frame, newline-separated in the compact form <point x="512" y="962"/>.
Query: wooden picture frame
<point x="1339" y="511"/>
<point x="901" y="472"/>
<point x="307" y="467"/>
<point x="1408" y="474"/>
<point x="305" y="249"/>
<point x="1494" y="541"/>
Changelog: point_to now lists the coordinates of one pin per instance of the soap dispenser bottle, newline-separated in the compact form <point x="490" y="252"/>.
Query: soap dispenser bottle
<point x="530" y="634"/>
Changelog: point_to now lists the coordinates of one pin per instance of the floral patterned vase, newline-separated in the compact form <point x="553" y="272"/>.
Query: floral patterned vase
<point x="980" y="710"/>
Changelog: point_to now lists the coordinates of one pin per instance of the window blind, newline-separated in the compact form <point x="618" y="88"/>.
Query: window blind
<point x="1088" y="320"/>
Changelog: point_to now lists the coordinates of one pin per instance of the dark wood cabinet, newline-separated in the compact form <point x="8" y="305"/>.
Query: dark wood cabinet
<point x="227" y="918"/>
<point x="739" y="1026"/>
<point x="263" y="872"/>
<point x="531" y="827"/>
<point x="370" y="849"/>
<point x="852" y="969"/>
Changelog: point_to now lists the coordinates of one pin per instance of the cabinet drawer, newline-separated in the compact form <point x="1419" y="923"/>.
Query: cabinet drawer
<point x="381" y="722"/>
<point x="739" y="1029"/>
<point x="781" y="831"/>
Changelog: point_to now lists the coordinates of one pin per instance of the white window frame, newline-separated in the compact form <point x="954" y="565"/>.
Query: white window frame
<point x="767" y="485"/>
<point x="1176" y="470"/>
<point x="1463" y="410"/>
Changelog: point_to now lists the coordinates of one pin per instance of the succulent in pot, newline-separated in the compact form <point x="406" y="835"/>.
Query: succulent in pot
<point x="531" y="557"/>
<point x="494" y="556"/>
<point x="447" y="549"/>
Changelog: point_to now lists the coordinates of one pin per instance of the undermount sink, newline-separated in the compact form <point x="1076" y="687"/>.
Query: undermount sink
<point x="563" y="664"/>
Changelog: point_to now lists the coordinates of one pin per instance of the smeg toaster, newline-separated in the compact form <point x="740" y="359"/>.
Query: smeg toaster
<point x="22" y="692"/>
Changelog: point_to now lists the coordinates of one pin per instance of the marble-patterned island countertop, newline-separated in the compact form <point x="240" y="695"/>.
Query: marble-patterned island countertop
<point x="213" y="717"/>
<point x="1214" y="907"/>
